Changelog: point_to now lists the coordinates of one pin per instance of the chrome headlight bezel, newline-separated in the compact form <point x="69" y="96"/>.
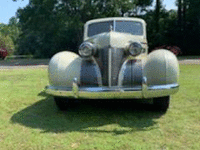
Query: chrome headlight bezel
<point x="135" y="48"/>
<point x="87" y="49"/>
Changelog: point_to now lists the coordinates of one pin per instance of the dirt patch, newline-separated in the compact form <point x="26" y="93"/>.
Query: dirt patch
<point x="43" y="63"/>
<point x="189" y="61"/>
<point x="24" y="62"/>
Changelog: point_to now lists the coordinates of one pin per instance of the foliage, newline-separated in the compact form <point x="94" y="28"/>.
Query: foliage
<point x="50" y="26"/>
<point x="172" y="28"/>
<point x="174" y="49"/>
<point x="3" y="51"/>
<point x="9" y="34"/>
<point x="30" y="120"/>
<point x="6" y="43"/>
<point x="189" y="26"/>
<point x="164" y="30"/>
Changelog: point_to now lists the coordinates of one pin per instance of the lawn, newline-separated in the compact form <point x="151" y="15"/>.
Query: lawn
<point x="30" y="120"/>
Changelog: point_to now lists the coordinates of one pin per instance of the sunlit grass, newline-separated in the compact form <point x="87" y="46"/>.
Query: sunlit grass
<point x="188" y="57"/>
<point x="30" y="120"/>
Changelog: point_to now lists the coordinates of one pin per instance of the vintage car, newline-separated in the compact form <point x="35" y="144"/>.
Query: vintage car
<point x="113" y="63"/>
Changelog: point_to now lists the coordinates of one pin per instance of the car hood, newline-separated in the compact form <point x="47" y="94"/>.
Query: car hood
<point x="115" y="39"/>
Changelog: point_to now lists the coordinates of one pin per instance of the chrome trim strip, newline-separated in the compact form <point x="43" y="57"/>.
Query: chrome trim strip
<point x="107" y="89"/>
<point x="99" y="78"/>
<point x="113" y="92"/>
<point x="121" y="73"/>
<point x="162" y="87"/>
<point x="75" y="88"/>
<point x="109" y="66"/>
<point x="114" y="24"/>
<point x="144" y="87"/>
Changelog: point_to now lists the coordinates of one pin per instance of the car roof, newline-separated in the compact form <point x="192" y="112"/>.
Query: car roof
<point x="114" y="18"/>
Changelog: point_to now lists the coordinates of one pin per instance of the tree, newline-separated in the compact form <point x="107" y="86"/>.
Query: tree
<point x="157" y="25"/>
<point x="14" y="30"/>
<point x="189" y="25"/>
<point x="6" y="43"/>
<point x="49" y="26"/>
<point x="157" y="14"/>
<point x="180" y="14"/>
<point x="9" y="34"/>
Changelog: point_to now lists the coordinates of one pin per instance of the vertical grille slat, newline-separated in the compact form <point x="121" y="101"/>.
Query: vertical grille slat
<point x="110" y="61"/>
<point x="103" y="63"/>
<point x="117" y="56"/>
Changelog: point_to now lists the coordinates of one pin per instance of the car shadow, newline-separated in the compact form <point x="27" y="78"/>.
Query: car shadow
<point x="88" y="116"/>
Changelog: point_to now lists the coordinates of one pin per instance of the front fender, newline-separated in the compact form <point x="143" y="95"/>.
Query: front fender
<point x="65" y="66"/>
<point x="161" y="68"/>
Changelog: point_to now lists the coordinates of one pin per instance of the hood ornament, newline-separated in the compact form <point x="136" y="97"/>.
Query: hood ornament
<point x="111" y="28"/>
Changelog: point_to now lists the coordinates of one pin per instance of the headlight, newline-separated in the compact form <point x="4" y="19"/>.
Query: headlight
<point x="87" y="49"/>
<point x="135" y="48"/>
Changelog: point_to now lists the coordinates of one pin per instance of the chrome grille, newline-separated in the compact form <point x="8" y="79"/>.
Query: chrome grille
<point x="110" y="61"/>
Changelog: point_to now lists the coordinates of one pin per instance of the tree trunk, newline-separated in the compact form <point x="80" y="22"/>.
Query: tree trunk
<point x="184" y="14"/>
<point x="180" y="14"/>
<point x="157" y="14"/>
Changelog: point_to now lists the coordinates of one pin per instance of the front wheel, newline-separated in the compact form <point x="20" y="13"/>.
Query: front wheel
<point x="63" y="103"/>
<point x="161" y="103"/>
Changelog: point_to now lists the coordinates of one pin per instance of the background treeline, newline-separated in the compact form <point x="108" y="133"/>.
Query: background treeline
<point x="45" y="27"/>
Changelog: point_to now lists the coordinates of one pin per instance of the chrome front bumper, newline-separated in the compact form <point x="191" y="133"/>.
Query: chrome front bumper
<point x="138" y="92"/>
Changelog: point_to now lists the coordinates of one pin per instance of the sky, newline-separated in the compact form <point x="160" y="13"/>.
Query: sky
<point x="8" y="8"/>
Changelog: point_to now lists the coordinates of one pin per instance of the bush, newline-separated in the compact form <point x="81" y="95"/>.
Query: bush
<point x="3" y="50"/>
<point x="174" y="49"/>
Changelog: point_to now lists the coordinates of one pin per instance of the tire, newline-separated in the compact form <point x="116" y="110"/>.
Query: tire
<point x="161" y="103"/>
<point x="63" y="103"/>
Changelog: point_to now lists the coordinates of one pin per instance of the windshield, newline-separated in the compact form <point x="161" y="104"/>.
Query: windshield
<point x="99" y="27"/>
<point x="132" y="27"/>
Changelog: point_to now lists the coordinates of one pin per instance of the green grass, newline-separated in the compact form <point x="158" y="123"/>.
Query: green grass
<point x="188" y="57"/>
<point x="30" y="120"/>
